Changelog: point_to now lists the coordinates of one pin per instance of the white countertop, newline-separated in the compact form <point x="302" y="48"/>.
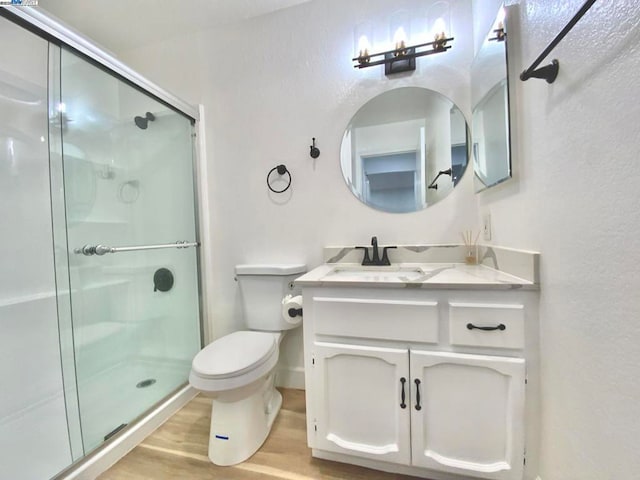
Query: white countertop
<point x="414" y="275"/>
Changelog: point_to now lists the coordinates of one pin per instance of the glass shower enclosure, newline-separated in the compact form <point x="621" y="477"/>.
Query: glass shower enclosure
<point x="99" y="292"/>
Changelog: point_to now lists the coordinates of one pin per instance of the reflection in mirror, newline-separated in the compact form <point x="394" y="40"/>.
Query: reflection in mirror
<point x="405" y="150"/>
<point x="490" y="100"/>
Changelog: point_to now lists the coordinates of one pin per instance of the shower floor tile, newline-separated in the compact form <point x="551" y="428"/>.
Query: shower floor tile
<point x="111" y="398"/>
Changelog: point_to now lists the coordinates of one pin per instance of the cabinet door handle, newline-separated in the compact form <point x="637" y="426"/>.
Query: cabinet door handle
<point x="418" y="407"/>
<point x="402" y="381"/>
<point x="471" y="326"/>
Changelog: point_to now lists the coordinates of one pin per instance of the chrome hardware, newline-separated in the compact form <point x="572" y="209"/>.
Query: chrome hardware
<point x="89" y="250"/>
<point x="101" y="250"/>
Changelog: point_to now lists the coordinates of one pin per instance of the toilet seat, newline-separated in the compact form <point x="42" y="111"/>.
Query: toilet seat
<point x="234" y="360"/>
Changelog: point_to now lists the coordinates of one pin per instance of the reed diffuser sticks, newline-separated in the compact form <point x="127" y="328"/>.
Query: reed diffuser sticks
<point x="470" y="246"/>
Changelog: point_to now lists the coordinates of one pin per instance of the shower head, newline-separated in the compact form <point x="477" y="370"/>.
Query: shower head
<point x="142" y="122"/>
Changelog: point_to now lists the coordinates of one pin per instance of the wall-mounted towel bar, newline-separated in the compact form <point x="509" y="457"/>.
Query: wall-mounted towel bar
<point x="550" y="72"/>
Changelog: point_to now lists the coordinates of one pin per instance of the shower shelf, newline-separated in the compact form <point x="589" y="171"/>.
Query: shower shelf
<point x="99" y="221"/>
<point x="90" y="334"/>
<point x="7" y="302"/>
<point x="101" y="284"/>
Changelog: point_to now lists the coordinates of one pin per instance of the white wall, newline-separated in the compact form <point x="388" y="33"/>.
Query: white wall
<point x="576" y="155"/>
<point x="270" y="84"/>
<point x="575" y="178"/>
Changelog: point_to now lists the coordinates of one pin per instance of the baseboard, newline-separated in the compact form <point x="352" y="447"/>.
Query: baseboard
<point x="290" y="377"/>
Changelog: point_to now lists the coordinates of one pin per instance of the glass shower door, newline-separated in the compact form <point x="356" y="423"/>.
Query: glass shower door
<point x="34" y="433"/>
<point x="129" y="197"/>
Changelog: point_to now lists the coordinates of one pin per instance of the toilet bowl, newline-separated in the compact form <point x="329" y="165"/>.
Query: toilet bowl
<point x="238" y="370"/>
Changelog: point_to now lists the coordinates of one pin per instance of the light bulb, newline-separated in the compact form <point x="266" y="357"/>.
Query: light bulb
<point x="364" y="46"/>
<point x="439" y="28"/>
<point x="400" y="41"/>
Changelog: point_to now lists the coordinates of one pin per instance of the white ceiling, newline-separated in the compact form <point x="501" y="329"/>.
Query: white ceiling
<point x="121" y="25"/>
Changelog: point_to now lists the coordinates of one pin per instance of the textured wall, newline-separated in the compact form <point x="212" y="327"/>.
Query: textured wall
<point x="290" y="78"/>
<point x="575" y="199"/>
<point x="574" y="196"/>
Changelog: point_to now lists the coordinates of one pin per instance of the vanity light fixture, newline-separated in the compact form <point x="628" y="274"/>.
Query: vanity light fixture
<point x="402" y="58"/>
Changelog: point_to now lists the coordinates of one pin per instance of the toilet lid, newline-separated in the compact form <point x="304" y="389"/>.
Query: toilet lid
<point x="234" y="354"/>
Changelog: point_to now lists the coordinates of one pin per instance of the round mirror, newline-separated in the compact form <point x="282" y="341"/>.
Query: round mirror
<point x="405" y="150"/>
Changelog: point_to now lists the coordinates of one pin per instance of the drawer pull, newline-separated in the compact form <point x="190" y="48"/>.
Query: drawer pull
<point x="402" y="381"/>
<point x="418" y="407"/>
<point x="471" y="326"/>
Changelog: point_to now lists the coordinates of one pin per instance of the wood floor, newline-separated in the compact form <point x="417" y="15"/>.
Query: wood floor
<point x="178" y="450"/>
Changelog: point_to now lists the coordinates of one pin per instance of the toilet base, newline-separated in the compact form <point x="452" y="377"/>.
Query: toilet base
<point x="240" y="427"/>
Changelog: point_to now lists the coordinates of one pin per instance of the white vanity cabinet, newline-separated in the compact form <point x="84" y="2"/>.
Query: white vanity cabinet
<point x="358" y="407"/>
<point x="468" y="414"/>
<point x="397" y="381"/>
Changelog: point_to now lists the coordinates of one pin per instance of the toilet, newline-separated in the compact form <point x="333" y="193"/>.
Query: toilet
<point x="238" y="370"/>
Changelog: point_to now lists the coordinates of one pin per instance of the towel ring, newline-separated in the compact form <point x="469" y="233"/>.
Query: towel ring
<point x="281" y="169"/>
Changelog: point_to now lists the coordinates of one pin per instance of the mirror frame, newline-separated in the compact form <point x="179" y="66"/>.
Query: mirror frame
<point x="479" y="184"/>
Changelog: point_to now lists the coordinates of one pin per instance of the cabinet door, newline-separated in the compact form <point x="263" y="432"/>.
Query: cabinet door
<point x="470" y="419"/>
<point x="358" y="398"/>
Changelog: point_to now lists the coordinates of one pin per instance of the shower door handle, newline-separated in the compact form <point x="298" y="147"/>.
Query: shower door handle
<point x="89" y="250"/>
<point x="101" y="250"/>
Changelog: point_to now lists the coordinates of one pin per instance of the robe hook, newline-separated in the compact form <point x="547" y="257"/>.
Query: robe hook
<point x="313" y="150"/>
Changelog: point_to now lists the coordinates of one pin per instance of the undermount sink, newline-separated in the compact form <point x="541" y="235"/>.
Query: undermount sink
<point x="399" y="273"/>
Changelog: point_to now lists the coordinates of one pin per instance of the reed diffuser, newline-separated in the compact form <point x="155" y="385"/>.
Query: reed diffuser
<point x="470" y="247"/>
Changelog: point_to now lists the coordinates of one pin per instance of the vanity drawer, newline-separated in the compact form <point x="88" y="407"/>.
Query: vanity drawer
<point x="415" y="321"/>
<point x="502" y="326"/>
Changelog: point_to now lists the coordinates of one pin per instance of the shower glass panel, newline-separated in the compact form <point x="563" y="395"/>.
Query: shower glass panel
<point x="128" y="182"/>
<point x="34" y="439"/>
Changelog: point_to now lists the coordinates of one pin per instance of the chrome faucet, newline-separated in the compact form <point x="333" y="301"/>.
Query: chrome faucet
<point x="375" y="260"/>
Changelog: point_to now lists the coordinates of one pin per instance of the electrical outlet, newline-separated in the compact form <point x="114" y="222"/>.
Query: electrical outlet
<point x="486" y="226"/>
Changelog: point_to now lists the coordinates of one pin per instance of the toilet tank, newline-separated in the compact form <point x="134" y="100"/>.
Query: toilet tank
<point x="262" y="288"/>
